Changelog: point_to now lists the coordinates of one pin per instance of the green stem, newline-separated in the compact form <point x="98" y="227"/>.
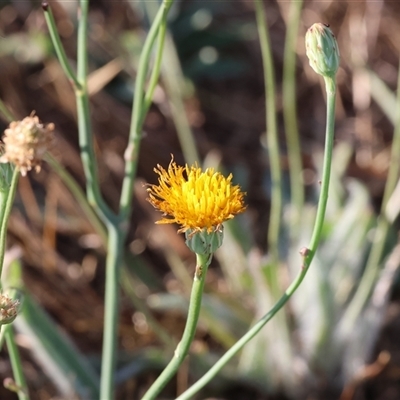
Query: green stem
<point x="372" y="268"/>
<point x="202" y="263"/>
<point x="290" y="114"/>
<point x="3" y="205"/>
<point x="5" y="215"/>
<point x="155" y="73"/>
<point x="16" y="364"/>
<point x="79" y="82"/>
<point x="308" y="254"/>
<point x="84" y="125"/>
<point x="272" y="134"/>
<point x="132" y="151"/>
<point x="113" y="267"/>
<point x="55" y="38"/>
<point x="330" y="86"/>
<point x="213" y="371"/>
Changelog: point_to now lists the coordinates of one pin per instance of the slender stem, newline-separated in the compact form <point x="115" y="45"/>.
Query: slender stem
<point x="59" y="48"/>
<point x="5" y="215"/>
<point x="330" y="85"/>
<point x="84" y="125"/>
<point x="202" y="263"/>
<point x="155" y="73"/>
<point x="290" y="114"/>
<point x="372" y="268"/>
<point x="3" y="205"/>
<point x="135" y="135"/>
<point x="272" y="134"/>
<point x="213" y="371"/>
<point x="308" y="254"/>
<point x="113" y="266"/>
<point x="16" y="364"/>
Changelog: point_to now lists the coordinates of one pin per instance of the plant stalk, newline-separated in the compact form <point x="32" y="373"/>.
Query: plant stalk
<point x="5" y="213"/>
<point x="202" y="263"/>
<point x="16" y="364"/>
<point x="307" y="253"/>
<point x="115" y="244"/>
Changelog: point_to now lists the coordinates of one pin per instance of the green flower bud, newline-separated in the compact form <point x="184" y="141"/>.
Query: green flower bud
<point x="322" y="50"/>
<point x="203" y="242"/>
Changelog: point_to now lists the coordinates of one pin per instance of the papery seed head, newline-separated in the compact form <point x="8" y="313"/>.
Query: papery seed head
<point x="26" y="142"/>
<point x="8" y="309"/>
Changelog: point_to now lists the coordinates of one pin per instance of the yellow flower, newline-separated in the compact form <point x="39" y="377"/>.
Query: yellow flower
<point x="194" y="199"/>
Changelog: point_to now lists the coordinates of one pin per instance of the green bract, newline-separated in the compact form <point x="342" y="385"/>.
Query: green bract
<point x="322" y="50"/>
<point x="203" y="242"/>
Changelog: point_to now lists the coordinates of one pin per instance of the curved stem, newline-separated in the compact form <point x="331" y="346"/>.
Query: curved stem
<point x="155" y="73"/>
<point x="212" y="372"/>
<point x="6" y="213"/>
<point x="113" y="267"/>
<point x="84" y="125"/>
<point x="330" y="86"/>
<point x="308" y="254"/>
<point x="202" y="263"/>
<point x="59" y="48"/>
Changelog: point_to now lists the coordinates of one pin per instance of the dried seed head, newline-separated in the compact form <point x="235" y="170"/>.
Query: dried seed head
<point x="8" y="309"/>
<point x="26" y="142"/>
<point x="322" y="50"/>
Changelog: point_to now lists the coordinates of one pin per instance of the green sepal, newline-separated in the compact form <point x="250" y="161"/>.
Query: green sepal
<point x="204" y="242"/>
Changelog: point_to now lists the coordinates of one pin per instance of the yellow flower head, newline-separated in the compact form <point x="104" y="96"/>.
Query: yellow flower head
<point x="194" y="199"/>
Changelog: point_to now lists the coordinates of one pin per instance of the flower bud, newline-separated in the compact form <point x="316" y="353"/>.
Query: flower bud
<point x="8" y="309"/>
<point x="204" y="242"/>
<point x="26" y="142"/>
<point x="322" y="50"/>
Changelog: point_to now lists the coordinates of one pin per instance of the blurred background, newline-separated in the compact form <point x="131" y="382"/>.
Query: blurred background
<point x="212" y="88"/>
